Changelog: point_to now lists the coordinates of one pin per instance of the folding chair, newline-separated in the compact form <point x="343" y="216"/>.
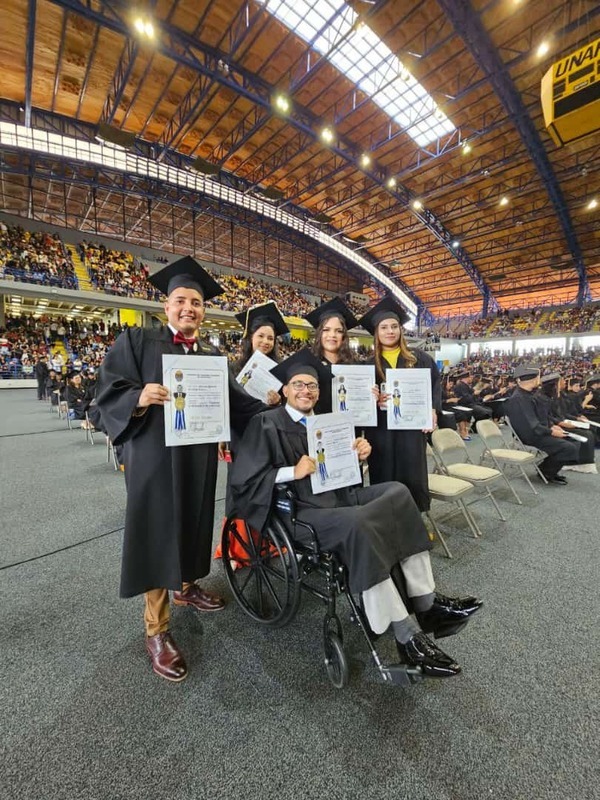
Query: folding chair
<point x="517" y="444"/>
<point x="110" y="450"/>
<point x="502" y="456"/>
<point x="89" y="429"/>
<point x="455" y="461"/>
<point x="446" y="489"/>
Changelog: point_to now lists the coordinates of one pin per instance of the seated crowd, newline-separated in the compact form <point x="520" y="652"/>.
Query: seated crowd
<point x="535" y="320"/>
<point x="35" y="257"/>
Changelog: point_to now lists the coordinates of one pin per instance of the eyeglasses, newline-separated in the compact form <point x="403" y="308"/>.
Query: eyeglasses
<point x="297" y="386"/>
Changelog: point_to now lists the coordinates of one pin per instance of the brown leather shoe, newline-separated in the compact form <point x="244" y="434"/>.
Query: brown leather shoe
<point x="199" y="599"/>
<point x="166" y="659"/>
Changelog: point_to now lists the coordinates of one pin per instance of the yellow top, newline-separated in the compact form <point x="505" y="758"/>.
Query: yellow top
<point x="391" y="356"/>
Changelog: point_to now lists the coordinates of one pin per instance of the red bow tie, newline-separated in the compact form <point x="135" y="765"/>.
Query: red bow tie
<point x="179" y="338"/>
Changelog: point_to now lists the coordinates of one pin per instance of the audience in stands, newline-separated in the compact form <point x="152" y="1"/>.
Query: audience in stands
<point x="35" y="257"/>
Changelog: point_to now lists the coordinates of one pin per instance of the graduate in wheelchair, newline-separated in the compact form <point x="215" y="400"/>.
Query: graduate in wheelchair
<point x="370" y="543"/>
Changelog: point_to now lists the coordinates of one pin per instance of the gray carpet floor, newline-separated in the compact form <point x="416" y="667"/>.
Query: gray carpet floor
<point x="83" y="716"/>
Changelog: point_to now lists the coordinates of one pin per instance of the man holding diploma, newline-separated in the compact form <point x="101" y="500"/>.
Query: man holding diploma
<point x="170" y="490"/>
<point x="377" y="531"/>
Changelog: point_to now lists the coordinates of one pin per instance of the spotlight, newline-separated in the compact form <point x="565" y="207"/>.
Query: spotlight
<point x="327" y="135"/>
<point x="282" y="103"/>
<point x="543" y="49"/>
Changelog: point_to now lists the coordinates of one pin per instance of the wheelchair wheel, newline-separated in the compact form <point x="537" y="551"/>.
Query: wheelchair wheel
<point x="262" y="571"/>
<point x="336" y="662"/>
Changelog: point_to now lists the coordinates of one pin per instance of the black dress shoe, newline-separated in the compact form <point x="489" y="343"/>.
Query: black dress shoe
<point x="559" y="480"/>
<point x="448" y="615"/>
<point x="420" y="651"/>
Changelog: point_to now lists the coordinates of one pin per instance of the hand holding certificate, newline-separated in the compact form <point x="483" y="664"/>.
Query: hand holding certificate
<point x="409" y="406"/>
<point x="330" y="444"/>
<point x="198" y="412"/>
<point x="256" y="378"/>
<point x="351" y="390"/>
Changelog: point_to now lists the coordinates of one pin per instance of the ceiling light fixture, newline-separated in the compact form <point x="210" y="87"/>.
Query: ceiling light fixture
<point x="144" y="27"/>
<point x="365" y="160"/>
<point x="455" y="244"/>
<point x="504" y="201"/>
<point x="592" y="204"/>
<point x="466" y="148"/>
<point x="327" y="135"/>
<point x="282" y="103"/>
<point x="543" y="49"/>
<point x="417" y="205"/>
<point x="391" y="182"/>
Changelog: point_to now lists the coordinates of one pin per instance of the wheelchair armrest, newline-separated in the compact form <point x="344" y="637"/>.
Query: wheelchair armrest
<point x="285" y="500"/>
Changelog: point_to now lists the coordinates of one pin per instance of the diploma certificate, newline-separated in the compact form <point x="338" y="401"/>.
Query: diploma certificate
<point x="351" y="387"/>
<point x="256" y="378"/>
<point x="330" y="438"/>
<point x="409" y="407"/>
<point x="198" y="411"/>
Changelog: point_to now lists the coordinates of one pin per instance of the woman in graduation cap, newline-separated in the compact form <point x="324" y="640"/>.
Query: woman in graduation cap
<point x="170" y="490"/>
<point x="262" y="324"/>
<point x="398" y="455"/>
<point x="331" y="345"/>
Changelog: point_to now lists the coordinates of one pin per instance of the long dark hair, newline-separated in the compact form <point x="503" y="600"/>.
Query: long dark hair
<point x="345" y="355"/>
<point x="408" y="358"/>
<point x="247" y="350"/>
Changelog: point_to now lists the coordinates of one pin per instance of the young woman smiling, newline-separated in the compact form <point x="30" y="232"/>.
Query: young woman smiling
<point x="398" y="455"/>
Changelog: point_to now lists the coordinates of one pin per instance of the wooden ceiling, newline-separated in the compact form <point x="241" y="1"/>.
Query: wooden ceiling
<point x="520" y="249"/>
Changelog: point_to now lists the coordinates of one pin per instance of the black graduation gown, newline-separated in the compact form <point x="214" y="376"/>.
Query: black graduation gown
<point x="402" y="455"/>
<point x="556" y="410"/>
<point x="170" y="490"/>
<point x="535" y="431"/>
<point x="370" y="528"/>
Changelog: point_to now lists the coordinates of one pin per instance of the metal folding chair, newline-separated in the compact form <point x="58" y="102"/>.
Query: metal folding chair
<point x="517" y="444"/>
<point x="503" y="457"/>
<point x="455" y="461"/>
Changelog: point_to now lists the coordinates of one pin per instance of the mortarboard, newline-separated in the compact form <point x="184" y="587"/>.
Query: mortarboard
<point x="463" y="373"/>
<point x="332" y="308"/>
<point x="263" y="314"/>
<point x="551" y="377"/>
<point x="388" y="308"/>
<point x="186" y="273"/>
<point x="526" y="372"/>
<point x="302" y="362"/>
<point x="593" y="379"/>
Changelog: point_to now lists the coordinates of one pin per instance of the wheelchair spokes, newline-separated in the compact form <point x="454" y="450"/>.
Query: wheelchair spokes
<point x="265" y="579"/>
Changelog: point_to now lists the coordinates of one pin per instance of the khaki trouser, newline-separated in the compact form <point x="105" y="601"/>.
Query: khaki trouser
<point x="157" y="611"/>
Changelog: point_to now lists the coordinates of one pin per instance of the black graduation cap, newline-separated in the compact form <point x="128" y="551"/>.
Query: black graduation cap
<point x="593" y="379"/>
<point x="525" y="372"/>
<point x="388" y="308"/>
<point x="186" y="273"/>
<point x="462" y="373"/>
<point x="302" y="362"/>
<point x="551" y="377"/>
<point x="263" y="314"/>
<point x="332" y="308"/>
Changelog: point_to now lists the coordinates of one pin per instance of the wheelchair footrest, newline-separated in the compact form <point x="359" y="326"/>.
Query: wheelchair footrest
<point x="401" y="674"/>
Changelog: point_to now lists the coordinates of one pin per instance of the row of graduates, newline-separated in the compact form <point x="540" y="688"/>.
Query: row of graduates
<point x="396" y="455"/>
<point x="169" y="517"/>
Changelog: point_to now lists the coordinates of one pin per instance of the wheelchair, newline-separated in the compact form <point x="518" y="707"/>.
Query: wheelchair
<point x="267" y="581"/>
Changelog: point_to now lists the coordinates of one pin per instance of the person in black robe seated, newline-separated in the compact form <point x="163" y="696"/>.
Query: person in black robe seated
<point x="376" y="531"/>
<point x="77" y="398"/>
<point x="170" y="490"/>
<point x="590" y="403"/>
<point x="55" y="387"/>
<point x="552" y="439"/>
<point x="553" y="409"/>
<point x="466" y="397"/>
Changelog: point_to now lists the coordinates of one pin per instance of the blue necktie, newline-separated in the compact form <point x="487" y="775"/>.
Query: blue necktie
<point x="302" y="420"/>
